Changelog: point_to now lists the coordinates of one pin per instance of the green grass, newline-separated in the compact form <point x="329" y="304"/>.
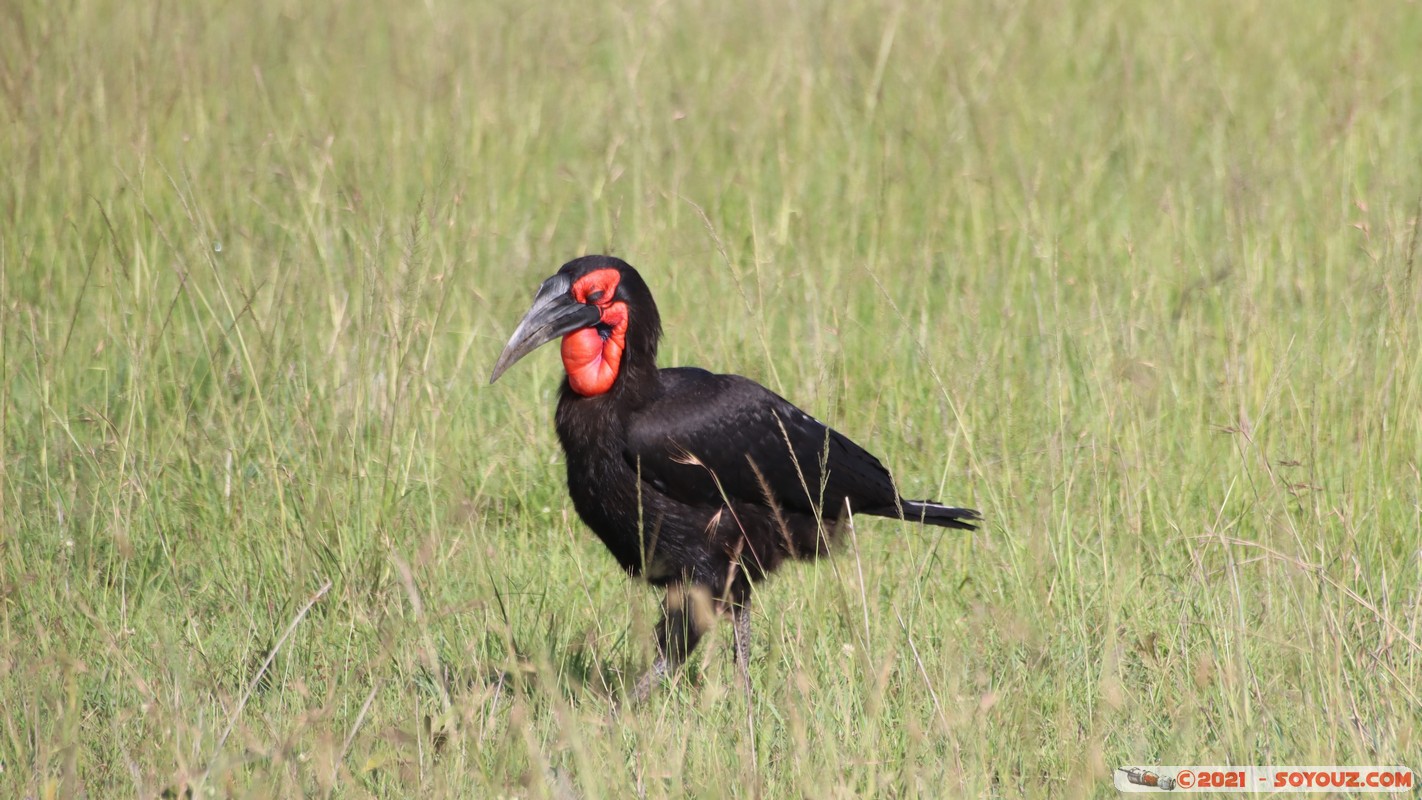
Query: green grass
<point x="1140" y="281"/>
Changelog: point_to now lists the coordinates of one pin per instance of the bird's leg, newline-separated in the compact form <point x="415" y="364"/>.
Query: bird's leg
<point x="741" y="622"/>
<point x="678" y="634"/>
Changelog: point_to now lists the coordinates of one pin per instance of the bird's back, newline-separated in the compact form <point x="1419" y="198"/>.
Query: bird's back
<point x="708" y="439"/>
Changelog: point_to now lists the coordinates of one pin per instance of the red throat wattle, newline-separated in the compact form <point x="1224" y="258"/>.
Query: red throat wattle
<point x="591" y="361"/>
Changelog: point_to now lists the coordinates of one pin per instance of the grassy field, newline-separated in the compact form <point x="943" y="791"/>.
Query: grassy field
<point x="1140" y="281"/>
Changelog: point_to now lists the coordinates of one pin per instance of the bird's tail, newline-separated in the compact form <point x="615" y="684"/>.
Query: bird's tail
<point x="930" y="513"/>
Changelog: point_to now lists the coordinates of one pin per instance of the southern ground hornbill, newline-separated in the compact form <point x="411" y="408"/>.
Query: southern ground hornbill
<point x="698" y="482"/>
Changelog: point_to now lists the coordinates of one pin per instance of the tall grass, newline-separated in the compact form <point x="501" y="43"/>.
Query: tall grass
<point x="1138" y="281"/>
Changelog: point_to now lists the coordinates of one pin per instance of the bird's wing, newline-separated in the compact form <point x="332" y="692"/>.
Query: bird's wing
<point x="711" y="438"/>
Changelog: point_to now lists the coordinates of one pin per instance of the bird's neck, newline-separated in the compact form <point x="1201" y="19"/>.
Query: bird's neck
<point x="594" y="427"/>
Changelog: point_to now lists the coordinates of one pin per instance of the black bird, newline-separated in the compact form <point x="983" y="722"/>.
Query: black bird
<point x="698" y="482"/>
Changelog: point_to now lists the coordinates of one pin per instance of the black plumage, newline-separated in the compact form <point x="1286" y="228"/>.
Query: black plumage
<point x="699" y="482"/>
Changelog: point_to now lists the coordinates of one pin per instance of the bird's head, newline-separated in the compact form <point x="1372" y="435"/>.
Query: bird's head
<point x="606" y="316"/>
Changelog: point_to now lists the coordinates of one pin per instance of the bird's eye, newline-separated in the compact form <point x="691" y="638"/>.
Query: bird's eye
<point x="594" y="297"/>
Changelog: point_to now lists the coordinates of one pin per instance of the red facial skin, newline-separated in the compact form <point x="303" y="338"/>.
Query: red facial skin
<point x="591" y="361"/>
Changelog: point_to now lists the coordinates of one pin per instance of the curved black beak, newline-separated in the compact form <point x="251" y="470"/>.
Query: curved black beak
<point x="553" y="314"/>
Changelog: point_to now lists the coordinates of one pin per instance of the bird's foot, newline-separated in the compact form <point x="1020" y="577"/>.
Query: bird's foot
<point x="650" y="678"/>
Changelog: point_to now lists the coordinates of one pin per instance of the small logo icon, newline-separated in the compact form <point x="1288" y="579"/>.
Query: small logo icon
<point x="1141" y="776"/>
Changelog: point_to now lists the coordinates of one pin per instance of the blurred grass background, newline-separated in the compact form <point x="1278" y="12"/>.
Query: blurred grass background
<point x="1139" y="281"/>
